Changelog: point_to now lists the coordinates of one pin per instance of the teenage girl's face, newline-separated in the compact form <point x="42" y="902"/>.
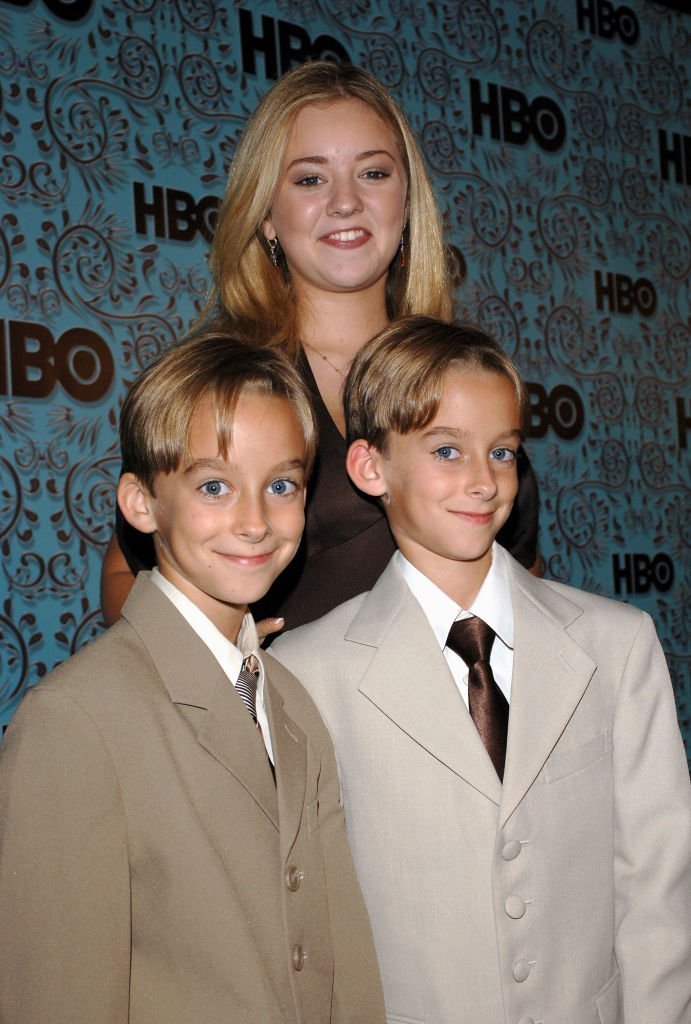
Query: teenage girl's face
<point x="340" y="204"/>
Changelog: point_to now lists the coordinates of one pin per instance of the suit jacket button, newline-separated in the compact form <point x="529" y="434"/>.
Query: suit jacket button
<point x="511" y="849"/>
<point x="293" y="878"/>
<point x="299" y="957"/>
<point x="514" y="907"/>
<point x="521" y="970"/>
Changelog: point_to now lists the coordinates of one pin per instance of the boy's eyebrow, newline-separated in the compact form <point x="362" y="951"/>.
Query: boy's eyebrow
<point x="210" y="464"/>
<point x="289" y="464"/>
<point x="220" y="465"/>
<point x="321" y="160"/>
<point x="460" y="433"/>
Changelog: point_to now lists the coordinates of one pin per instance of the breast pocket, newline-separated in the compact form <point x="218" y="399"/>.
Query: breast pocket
<point x="560" y="765"/>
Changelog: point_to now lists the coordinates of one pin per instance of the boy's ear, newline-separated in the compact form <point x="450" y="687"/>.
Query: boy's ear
<point x="136" y="503"/>
<point x="363" y="465"/>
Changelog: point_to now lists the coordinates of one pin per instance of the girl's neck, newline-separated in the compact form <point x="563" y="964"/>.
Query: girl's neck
<point x="337" y="324"/>
<point x="333" y="328"/>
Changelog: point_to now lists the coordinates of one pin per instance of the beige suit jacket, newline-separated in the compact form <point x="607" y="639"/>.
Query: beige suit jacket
<point x="150" y="870"/>
<point x="561" y="897"/>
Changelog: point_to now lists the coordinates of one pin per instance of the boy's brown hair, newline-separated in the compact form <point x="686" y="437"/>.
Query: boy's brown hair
<point x="396" y="380"/>
<point x="157" y="413"/>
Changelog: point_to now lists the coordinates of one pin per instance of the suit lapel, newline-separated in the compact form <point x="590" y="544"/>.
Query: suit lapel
<point x="229" y="735"/>
<point x="409" y="681"/>
<point x="194" y="679"/>
<point x="550" y="674"/>
<point x="290" y="756"/>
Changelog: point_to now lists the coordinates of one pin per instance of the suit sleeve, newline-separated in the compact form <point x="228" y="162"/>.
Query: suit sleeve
<point x="64" y="878"/>
<point x="652" y="841"/>
<point x="357" y="994"/>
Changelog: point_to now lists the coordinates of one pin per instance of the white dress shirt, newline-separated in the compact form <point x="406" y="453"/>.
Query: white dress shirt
<point x="492" y="604"/>
<point x="229" y="656"/>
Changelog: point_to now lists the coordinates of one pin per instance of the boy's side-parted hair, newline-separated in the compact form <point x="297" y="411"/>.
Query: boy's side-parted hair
<point x="246" y="286"/>
<point x="158" y="410"/>
<point x="397" y="379"/>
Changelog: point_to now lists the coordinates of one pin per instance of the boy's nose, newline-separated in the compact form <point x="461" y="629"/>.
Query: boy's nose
<point x="481" y="480"/>
<point x="250" y="520"/>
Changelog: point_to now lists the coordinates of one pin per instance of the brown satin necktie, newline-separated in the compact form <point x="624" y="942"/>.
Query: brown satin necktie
<point x="472" y="639"/>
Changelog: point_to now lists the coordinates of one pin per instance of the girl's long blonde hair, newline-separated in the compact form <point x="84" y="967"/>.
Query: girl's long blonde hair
<point x="245" y="285"/>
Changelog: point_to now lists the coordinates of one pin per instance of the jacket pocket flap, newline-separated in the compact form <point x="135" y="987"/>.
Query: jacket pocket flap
<point x="562" y="764"/>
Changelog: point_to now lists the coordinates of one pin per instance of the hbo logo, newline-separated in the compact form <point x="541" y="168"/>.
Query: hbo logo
<point x="607" y="21"/>
<point x="622" y="295"/>
<point x="636" y="574"/>
<point x="561" y="409"/>
<point x="282" y="44"/>
<point x="514" y="119"/>
<point x="33" y="363"/>
<point x="175" y="214"/>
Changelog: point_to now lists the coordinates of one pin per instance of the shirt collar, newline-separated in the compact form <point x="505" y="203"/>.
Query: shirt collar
<point x="229" y="656"/>
<point x="492" y="603"/>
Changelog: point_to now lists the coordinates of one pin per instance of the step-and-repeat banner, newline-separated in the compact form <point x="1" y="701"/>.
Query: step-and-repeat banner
<point x="558" y="136"/>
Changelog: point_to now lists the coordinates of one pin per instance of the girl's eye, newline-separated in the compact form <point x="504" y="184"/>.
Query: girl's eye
<point x="214" y="488"/>
<point x="446" y="452"/>
<point x="375" y="174"/>
<point x="309" y="179"/>
<point x="503" y="455"/>
<point x="281" y="487"/>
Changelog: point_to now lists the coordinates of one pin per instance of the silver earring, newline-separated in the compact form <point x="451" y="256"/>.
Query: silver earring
<point x="273" y="250"/>
<point x="402" y="251"/>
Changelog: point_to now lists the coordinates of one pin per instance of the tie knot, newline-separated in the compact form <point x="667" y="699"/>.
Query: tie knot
<point x="472" y="639"/>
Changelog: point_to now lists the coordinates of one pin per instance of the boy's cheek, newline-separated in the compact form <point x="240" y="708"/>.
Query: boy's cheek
<point x="293" y="520"/>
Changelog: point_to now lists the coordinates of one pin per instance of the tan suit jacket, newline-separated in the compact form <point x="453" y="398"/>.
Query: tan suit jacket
<point x="150" y="870"/>
<point x="561" y="897"/>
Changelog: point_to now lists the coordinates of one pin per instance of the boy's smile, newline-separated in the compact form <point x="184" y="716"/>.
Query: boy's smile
<point x="449" y="487"/>
<point x="226" y="528"/>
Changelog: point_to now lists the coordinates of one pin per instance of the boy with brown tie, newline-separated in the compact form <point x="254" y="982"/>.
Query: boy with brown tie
<point x="516" y="785"/>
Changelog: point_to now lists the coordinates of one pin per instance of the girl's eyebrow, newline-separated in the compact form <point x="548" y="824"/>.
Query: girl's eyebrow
<point x="366" y="154"/>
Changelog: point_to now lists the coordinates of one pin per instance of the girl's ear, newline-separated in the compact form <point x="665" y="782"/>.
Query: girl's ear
<point x="136" y="503"/>
<point x="363" y="465"/>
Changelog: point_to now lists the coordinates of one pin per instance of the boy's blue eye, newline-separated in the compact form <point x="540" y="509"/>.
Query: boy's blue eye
<point x="214" y="488"/>
<point x="503" y="454"/>
<point x="446" y="451"/>
<point x="281" y="487"/>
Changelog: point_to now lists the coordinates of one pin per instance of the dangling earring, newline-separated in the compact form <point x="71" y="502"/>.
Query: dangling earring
<point x="273" y="250"/>
<point x="402" y="253"/>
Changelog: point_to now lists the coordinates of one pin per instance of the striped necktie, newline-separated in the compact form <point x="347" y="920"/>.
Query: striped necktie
<point x="246" y="685"/>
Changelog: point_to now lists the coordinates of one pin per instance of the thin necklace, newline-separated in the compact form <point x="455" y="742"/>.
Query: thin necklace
<point x="327" y="360"/>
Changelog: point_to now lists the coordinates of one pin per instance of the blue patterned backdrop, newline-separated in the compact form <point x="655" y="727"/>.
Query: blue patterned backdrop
<point x="558" y="136"/>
